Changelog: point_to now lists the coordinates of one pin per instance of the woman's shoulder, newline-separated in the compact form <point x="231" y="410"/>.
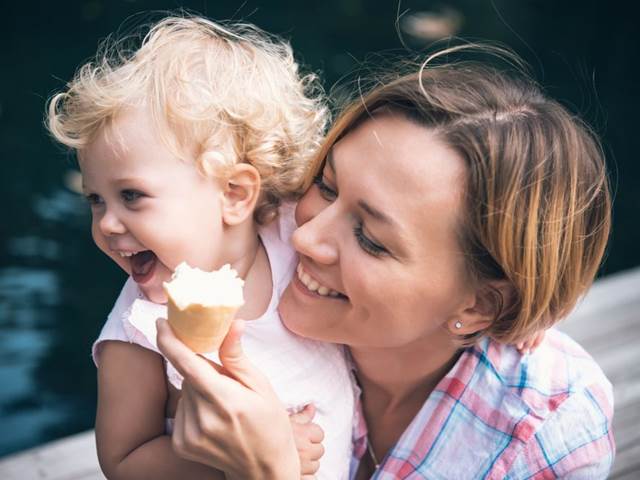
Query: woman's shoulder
<point x="559" y="368"/>
<point x="500" y="414"/>
<point x="558" y="400"/>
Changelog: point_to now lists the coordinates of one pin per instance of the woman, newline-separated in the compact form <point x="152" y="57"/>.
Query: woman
<point x="456" y="210"/>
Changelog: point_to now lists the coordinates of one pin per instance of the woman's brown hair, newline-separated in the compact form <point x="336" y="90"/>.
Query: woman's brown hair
<point x="537" y="207"/>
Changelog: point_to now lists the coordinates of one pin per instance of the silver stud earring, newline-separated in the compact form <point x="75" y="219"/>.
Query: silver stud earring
<point x="458" y="324"/>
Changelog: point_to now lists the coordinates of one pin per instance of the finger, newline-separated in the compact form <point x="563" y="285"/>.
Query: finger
<point x="316" y="451"/>
<point x="235" y="362"/>
<point x="315" y="432"/>
<point x="177" y="436"/>
<point x="539" y="339"/>
<point x="305" y="415"/>
<point x="194" y="368"/>
<point x="193" y="436"/>
<point x="523" y="347"/>
<point x="308" y="468"/>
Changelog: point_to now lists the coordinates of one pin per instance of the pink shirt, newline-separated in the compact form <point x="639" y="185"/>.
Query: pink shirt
<point x="500" y="415"/>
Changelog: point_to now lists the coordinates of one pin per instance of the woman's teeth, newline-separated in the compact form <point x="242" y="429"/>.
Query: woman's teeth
<point x="313" y="285"/>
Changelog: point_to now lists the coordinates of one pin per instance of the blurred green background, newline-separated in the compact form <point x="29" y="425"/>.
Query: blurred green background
<point x="56" y="288"/>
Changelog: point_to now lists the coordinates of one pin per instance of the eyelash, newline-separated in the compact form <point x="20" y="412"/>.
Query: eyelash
<point x="365" y="242"/>
<point x="128" y="196"/>
<point x="93" y="199"/>
<point x="327" y="192"/>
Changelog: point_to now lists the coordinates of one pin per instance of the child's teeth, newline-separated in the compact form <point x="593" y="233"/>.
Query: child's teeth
<point x="323" y="290"/>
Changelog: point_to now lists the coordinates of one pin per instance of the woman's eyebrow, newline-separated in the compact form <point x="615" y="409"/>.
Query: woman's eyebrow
<point x="377" y="214"/>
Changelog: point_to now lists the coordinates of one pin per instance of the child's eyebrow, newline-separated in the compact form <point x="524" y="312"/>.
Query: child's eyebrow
<point x="128" y="180"/>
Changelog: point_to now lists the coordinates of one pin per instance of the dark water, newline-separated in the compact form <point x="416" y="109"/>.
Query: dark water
<point x="56" y="288"/>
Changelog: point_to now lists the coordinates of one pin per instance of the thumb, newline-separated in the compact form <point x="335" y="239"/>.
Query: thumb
<point x="235" y="362"/>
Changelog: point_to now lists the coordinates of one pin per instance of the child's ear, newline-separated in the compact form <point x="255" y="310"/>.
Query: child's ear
<point x="241" y="191"/>
<point x="482" y="308"/>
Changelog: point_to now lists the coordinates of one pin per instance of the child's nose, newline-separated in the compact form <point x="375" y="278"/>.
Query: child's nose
<point x="110" y="224"/>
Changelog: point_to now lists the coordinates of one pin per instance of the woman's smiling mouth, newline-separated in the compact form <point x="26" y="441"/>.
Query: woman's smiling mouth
<point x="314" y="286"/>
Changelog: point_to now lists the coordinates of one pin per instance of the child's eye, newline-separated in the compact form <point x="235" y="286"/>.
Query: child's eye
<point x="367" y="244"/>
<point x="94" y="199"/>
<point x="130" y="196"/>
<point x="326" y="191"/>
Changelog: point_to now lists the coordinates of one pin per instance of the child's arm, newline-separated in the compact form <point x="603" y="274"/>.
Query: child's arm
<point x="130" y="419"/>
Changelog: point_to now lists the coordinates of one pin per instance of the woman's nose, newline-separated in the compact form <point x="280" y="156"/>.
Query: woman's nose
<point x="110" y="224"/>
<point x="316" y="239"/>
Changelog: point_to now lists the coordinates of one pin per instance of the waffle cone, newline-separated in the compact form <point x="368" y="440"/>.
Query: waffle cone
<point x="200" y="327"/>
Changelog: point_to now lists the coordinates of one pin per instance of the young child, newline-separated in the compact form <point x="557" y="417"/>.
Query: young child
<point x="189" y="147"/>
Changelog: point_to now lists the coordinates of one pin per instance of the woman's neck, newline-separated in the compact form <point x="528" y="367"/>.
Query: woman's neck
<point x="395" y="374"/>
<point x="395" y="384"/>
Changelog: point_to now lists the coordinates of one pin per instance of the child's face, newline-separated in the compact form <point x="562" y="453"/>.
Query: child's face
<point x="150" y="210"/>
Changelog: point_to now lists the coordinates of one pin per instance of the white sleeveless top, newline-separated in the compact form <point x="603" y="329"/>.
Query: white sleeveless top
<point x="301" y="371"/>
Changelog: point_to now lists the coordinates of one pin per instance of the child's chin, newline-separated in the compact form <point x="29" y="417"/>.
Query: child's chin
<point x="155" y="293"/>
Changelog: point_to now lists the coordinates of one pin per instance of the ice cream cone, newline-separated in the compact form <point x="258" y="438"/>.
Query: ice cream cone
<point x="201" y="305"/>
<point x="200" y="327"/>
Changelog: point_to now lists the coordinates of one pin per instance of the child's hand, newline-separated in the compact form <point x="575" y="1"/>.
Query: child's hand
<point x="531" y="343"/>
<point x="308" y="437"/>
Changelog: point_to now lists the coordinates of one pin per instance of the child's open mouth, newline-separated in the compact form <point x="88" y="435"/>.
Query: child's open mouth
<point x="142" y="265"/>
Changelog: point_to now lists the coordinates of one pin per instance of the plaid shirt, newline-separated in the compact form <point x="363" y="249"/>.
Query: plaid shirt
<point x="500" y="415"/>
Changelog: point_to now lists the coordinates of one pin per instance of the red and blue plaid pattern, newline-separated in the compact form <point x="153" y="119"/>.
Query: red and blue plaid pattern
<point x="500" y="415"/>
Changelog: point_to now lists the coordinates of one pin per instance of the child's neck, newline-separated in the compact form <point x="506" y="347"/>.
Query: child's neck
<point x="252" y="264"/>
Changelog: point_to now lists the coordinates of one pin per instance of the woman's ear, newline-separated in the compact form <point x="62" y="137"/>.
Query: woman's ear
<point x="483" y="307"/>
<point x="241" y="191"/>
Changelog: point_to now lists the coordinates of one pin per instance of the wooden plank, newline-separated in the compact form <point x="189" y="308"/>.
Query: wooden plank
<point x="71" y="458"/>
<point x="607" y="324"/>
<point x="627" y="464"/>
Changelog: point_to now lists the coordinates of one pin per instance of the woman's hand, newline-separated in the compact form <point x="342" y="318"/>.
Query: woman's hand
<point x="229" y="417"/>
<point x="308" y="437"/>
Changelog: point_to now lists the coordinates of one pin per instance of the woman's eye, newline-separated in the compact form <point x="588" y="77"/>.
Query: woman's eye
<point x="326" y="191"/>
<point x="93" y="199"/>
<point x="367" y="244"/>
<point x="130" y="196"/>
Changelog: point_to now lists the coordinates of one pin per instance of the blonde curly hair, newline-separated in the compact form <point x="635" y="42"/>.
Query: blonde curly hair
<point x="217" y="93"/>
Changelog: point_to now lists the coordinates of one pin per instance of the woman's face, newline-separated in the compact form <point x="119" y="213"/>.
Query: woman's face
<point x="380" y="263"/>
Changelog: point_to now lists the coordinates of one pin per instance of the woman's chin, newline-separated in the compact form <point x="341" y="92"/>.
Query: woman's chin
<point x="303" y="319"/>
<point x="293" y="314"/>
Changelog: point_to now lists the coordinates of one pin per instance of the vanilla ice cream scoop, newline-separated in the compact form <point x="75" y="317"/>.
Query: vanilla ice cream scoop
<point x="201" y="305"/>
